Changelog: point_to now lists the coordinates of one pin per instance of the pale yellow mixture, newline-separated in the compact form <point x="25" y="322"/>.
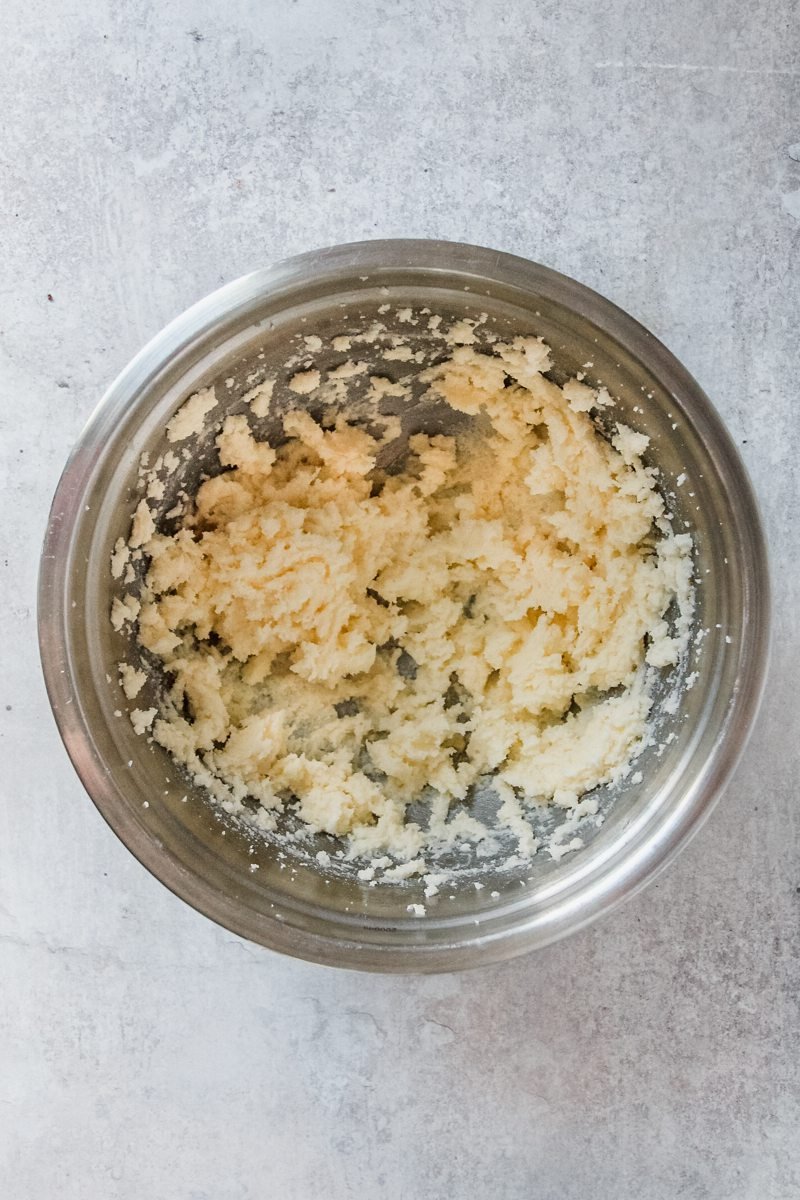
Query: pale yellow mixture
<point x="343" y="640"/>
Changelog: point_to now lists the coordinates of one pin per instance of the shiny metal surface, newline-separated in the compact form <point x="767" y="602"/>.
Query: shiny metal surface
<point x="338" y="920"/>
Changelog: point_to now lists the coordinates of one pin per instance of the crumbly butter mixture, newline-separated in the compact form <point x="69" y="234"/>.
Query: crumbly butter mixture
<point x="346" y="640"/>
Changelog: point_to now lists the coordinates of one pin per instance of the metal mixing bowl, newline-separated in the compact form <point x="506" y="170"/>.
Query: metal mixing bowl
<point x="291" y="904"/>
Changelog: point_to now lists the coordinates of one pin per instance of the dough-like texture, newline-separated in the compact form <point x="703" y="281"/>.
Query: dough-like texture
<point x="343" y="640"/>
<point x="189" y="419"/>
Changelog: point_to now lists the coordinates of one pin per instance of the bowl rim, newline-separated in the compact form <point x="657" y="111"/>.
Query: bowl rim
<point x="614" y="883"/>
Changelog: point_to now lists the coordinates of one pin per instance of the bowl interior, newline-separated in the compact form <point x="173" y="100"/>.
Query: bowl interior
<point x="275" y="891"/>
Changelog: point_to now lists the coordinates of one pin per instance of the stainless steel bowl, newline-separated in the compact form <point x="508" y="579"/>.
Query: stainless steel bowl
<point x="291" y="904"/>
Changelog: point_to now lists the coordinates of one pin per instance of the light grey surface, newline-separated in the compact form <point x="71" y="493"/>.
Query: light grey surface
<point x="151" y="152"/>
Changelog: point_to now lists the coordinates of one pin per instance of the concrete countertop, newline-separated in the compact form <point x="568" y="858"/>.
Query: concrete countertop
<point x="153" y="151"/>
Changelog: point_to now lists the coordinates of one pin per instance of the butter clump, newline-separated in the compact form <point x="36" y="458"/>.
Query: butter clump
<point x="347" y="641"/>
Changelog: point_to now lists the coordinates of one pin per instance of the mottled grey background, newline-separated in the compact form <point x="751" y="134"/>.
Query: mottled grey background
<point x="151" y="151"/>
